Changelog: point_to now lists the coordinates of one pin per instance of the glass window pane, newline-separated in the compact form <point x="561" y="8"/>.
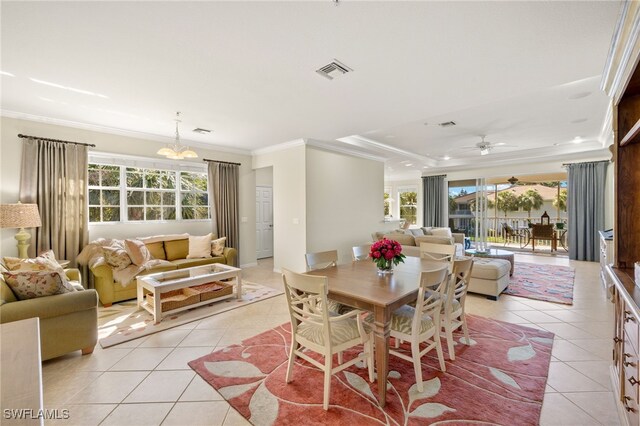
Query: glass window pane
<point x="94" y="197"/>
<point x="188" y="213"/>
<point x="188" y="199"/>
<point x="136" y="213"/>
<point x="111" y="197"/>
<point x="135" y="198"/>
<point x="168" y="198"/>
<point x="94" y="178"/>
<point x="153" y="213"/>
<point x="202" y="213"/>
<point x="134" y="180"/>
<point x="152" y="180"/>
<point x="111" y="214"/>
<point x="186" y="181"/>
<point x="169" y="213"/>
<point x="202" y="199"/>
<point x="154" y="198"/>
<point x="94" y="214"/>
<point x="110" y="178"/>
<point x="167" y="180"/>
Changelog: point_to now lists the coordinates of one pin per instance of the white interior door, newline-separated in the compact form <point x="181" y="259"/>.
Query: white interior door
<point x="264" y="222"/>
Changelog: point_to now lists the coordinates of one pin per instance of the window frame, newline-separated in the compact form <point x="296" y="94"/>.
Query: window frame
<point x="401" y="190"/>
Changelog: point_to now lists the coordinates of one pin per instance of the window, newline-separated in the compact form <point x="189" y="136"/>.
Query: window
<point x="104" y="193"/>
<point x="408" y="204"/>
<point x="387" y="202"/>
<point x="120" y="193"/>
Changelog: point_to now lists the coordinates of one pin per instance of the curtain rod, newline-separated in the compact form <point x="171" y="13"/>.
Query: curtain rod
<point x="586" y="162"/>
<point x="223" y="162"/>
<point x="54" y="140"/>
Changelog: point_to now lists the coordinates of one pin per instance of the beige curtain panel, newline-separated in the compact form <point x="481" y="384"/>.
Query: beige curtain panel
<point x="223" y="201"/>
<point x="54" y="176"/>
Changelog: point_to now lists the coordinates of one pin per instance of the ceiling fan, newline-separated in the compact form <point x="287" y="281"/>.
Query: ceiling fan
<point x="485" y="147"/>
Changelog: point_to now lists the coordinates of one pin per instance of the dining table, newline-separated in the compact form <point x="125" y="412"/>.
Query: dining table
<point x="358" y="284"/>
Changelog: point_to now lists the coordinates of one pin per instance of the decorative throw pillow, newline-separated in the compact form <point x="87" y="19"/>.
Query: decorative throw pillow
<point x="32" y="284"/>
<point x="441" y="232"/>
<point x="199" y="247"/>
<point x="46" y="261"/>
<point x="416" y="232"/>
<point x="217" y="246"/>
<point x="116" y="257"/>
<point x="137" y="251"/>
<point x="426" y="230"/>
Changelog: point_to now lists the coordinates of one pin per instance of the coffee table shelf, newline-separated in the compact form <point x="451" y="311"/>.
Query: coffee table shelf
<point x="164" y="282"/>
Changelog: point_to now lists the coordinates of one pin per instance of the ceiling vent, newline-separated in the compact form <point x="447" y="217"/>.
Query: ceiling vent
<point x="333" y="69"/>
<point x="447" y="124"/>
<point x="201" y="131"/>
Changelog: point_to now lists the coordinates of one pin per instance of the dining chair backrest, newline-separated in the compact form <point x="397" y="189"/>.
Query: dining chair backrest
<point x="321" y="260"/>
<point x="432" y="291"/>
<point x="460" y="278"/>
<point x="307" y="300"/>
<point x="439" y="252"/>
<point x="360" y="252"/>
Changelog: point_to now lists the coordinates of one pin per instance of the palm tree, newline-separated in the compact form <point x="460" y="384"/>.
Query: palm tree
<point x="507" y="202"/>
<point x="560" y="201"/>
<point x="530" y="200"/>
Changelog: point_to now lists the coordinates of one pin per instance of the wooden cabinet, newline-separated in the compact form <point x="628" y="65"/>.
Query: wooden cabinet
<point x="621" y="81"/>
<point x="606" y="257"/>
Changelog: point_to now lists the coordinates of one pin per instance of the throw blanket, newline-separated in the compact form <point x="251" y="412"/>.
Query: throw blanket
<point x="93" y="255"/>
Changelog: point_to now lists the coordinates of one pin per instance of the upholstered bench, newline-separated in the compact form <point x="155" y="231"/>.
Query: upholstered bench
<point x="489" y="276"/>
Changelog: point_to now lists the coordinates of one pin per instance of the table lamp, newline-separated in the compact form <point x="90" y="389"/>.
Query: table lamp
<point x="20" y="216"/>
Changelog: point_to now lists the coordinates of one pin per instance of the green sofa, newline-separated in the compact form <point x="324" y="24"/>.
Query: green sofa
<point x="68" y="322"/>
<point x="174" y="251"/>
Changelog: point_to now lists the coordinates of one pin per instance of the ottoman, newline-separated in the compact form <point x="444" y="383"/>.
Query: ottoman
<point x="489" y="276"/>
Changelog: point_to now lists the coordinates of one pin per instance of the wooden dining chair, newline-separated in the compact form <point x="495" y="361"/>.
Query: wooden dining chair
<point x="360" y="252"/>
<point x="321" y="260"/>
<point x="453" y="313"/>
<point x="422" y="323"/>
<point x="439" y="252"/>
<point x="314" y="328"/>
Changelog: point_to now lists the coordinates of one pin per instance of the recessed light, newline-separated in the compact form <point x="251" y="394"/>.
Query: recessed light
<point x="446" y="157"/>
<point x="425" y="167"/>
<point x="409" y="164"/>
<point x="579" y="95"/>
<point x="577" y="139"/>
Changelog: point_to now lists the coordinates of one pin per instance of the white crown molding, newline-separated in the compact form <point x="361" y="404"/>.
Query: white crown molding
<point x="278" y="147"/>
<point x="606" y="133"/>
<point x="624" y="51"/>
<point x="119" y="132"/>
<point x="362" y="141"/>
<point x="325" y="147"/>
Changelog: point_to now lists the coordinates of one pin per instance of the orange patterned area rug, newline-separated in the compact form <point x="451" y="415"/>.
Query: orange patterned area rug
<point x="124" y="321"/>
<point x="499" y="379"/>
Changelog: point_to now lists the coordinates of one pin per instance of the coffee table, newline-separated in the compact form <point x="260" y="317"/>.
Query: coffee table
<point x="494" y="254"/>
<point x="164" y="282"/>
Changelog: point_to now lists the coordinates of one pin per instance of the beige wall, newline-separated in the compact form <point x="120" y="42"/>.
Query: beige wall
<point x="344" y="201"/>
<point x="10" y="159"/>
<point x="289" y="206"/>
<point x="264" y="176"/>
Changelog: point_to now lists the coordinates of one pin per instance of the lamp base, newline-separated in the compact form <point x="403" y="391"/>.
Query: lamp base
<point x="23" y="238"/>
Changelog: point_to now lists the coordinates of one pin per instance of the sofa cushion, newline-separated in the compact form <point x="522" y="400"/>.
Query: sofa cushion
<point x="176" y="249"/>
<point x="116" y="257"/>
<point x="137" y="251"/>
<point x="441" y="232"/>
<point x="490" y="269"/>
<point x="162" y="238"/>
<point x="403" y="239"/>
<point x="31" y="284"/>
<point x="156" y="249"/>
<point x="217" y="246"/>
<point x="416" y="232"/>
<point x="188" y="263"/>
<point x="199" y="246"/>
<point x="6" y="295"/>
<point x="433" y="239"/>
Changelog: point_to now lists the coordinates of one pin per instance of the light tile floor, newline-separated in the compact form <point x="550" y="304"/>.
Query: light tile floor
<point x="148" y="382"/>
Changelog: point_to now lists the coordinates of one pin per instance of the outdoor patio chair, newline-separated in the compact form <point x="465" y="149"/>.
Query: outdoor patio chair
<point x="511" y="234"/>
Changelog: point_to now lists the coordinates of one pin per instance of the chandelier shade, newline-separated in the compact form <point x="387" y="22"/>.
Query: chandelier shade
<point x="177" y="151"/>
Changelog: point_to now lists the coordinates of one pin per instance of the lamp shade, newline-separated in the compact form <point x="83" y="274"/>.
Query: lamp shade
<point x="19" y="216"/>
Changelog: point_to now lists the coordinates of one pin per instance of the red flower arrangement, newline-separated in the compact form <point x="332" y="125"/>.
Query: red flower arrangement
<point x="386" y="253"/>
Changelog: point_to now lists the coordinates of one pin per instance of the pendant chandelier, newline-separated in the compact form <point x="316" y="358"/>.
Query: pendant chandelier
<point x="177" y="151"/>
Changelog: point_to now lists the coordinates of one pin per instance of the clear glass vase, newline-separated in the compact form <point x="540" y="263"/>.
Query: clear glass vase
<point x="386" y="268"/>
